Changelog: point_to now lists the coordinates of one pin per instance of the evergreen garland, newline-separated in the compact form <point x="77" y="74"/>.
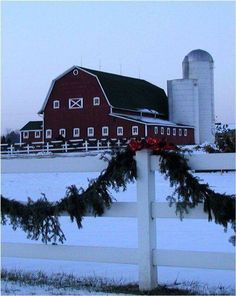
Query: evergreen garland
<point x="189" y="192"/>
<point x="37" y="218"/>
<point x="40" y="218"/>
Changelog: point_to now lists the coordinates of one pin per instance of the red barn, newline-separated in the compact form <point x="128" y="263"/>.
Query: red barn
<point x="93" y="105"/>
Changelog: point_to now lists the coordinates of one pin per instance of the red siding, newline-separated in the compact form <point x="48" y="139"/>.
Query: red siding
<point x="31" y="137"/>
<point x="82" y="86"/>
<point x="176" y="139"/>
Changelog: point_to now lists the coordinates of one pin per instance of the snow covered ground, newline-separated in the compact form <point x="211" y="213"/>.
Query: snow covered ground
<point x="195" y="235"/>
<point x="11" y="288"/>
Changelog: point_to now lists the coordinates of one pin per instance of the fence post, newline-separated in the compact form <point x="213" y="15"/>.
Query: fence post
<point x="47" y="147"/>
<point x="66" y="147"/>
<point x="28" y="148"/>
<point x="98" y="145"/>
<point x="146" y="224"/>
<point x="11" y="149"/>
<point x="86" y="146"/>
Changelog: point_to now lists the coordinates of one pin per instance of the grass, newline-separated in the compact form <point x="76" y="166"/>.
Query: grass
<point x="98" y="284"/>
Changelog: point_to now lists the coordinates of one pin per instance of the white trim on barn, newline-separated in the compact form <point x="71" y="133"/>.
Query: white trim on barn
<point x="37" y="134"/>
<point x="120" y="131"/>
<point x="134" y="130"/>
<point x="162" y="122"/>
<point x="25" y="134"/>
<point x="76" y="132"/>
<point x="56" y="104"/>
<point x="96" y="101"/>
<point x="90" y="132"/>
<point x="125" y="118"/>
<point x="48" y="133"/>
<point x="99" y="85"/>
<point x="76" y="103"/>
<point x="148" y="111"/>
<point x="146" y="130"/>
<point x="63" y="74"/>
<point x="62" y="132"/>
<point x="32" y="130"/>
<point x="105" y="131"/>
<point x="155" y="130"/>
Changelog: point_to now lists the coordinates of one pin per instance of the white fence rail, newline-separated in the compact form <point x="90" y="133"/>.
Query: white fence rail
<point x="146" y="210"/>
<point x="60" y="146"/>
<point x="66" y="163"/>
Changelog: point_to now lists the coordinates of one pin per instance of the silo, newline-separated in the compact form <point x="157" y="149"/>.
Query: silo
<point x="183" y="103"/>
<point x="199" y="64"/>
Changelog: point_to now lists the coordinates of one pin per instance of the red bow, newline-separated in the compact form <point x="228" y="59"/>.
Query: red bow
<point x="152" y="143"/>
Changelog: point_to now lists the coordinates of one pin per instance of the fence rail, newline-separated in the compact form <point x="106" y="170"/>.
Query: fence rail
<point x="172" y="258"/>
<point x="147" y="256"/>
<point x="60" y="146"/>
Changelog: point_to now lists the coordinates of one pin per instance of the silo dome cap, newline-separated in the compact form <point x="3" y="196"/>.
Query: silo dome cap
<point x="198" y="55"/>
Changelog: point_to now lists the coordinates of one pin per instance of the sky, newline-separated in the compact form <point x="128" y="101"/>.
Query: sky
<point x="41" y="40"/>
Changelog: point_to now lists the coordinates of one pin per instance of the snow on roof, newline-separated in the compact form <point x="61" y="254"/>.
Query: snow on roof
<point x="148" y="111"/>
<point x="149" y="120"/>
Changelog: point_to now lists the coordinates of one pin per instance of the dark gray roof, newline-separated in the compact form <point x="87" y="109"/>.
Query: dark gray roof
<point x="132" y="93"/>
<point x="32" y="125"/>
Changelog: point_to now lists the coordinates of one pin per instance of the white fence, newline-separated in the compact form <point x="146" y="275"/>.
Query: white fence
<point x="146" y="210"/>
<point x="79" y="145"/>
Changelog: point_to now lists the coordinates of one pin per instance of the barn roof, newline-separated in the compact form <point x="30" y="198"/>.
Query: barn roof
<point x="125" y="92"/>
<point x="131" y="93"/>
<point x="32" y="125"/>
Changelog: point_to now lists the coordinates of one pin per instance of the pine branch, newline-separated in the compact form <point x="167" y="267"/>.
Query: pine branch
<point x="189" y="192"/>
<point x="40" y="219"/>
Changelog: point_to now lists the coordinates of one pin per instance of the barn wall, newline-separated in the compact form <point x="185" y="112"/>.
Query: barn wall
<point x="179" y="140"/>
<point x="86" y="86"/>
<point x="31" y="138"/>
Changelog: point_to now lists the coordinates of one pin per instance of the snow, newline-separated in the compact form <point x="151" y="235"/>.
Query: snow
<point x="12" y="288"/>
<point x="150" y="120"/>
<point x="148" y="111"/>
<point x="198" y="235"/>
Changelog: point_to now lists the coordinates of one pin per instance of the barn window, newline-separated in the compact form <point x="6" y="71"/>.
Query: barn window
<point x="105" y="130"/>
<point x="75" y="72"/>
<point x="48" y="134"/>
<point x="76" y="103"/>
<point x="180" y="132"/>
<point x="76" y="132"/>
<point x="162" y="130"/>
<point x="185" y="132"/>
<point x="62" y="132"/>
<point x="119" y="131"/>
<point x="90" y="131"/>
<point x="96" y="101"/>
<point x="37" y="134"/>
<point x="56" y="104"/>
<point x="25" y="135"/>
<point x="174" y="131"/>
<point x="134" y="130"/>
<point x="155" y="130"/>
<point x="168" y="131"/>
